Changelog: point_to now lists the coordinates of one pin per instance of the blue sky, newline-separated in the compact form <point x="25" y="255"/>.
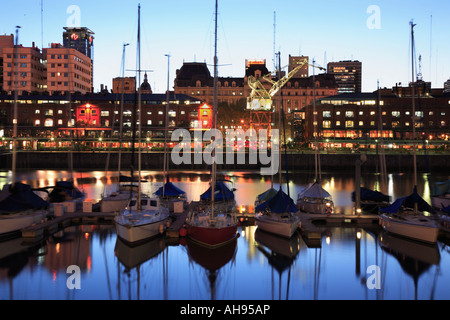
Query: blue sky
<point x="326" y="30"/>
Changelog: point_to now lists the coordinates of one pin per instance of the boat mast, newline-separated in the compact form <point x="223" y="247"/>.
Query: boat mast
<point x="119" y="164"/>
<point x="166" y="161"/>
<point x="14" y="140"/>
<point x="213" y="173"/>
<point x="413" y="111"/>
<point x="139" y="105"/>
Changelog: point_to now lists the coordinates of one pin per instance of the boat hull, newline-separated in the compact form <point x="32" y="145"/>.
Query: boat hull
<point x="137" y="230"/>
<point x="211" y="236"/>
<point x="282" y="228"/>
<point x="314" y="207"/>
<point x="15" y="222"/>
<point x="425" y="232"/>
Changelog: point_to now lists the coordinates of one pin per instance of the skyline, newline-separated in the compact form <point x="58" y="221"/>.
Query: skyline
<point x="377" y="33"/>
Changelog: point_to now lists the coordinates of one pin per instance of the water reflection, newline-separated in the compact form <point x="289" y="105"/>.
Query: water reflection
<point x="212" y="260"/>
<point x="281" y="254"/>
<point x="256" y="266"/>
<point x="415" y="258"/>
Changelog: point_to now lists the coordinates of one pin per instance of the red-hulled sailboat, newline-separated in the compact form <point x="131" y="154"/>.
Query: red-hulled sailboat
<point x="212" y="223"/>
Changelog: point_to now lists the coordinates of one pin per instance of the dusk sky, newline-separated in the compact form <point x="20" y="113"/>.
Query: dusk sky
<point x="377" y="33"/>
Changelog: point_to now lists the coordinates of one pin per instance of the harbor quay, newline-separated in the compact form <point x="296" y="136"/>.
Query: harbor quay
<point x="151" y="160"/>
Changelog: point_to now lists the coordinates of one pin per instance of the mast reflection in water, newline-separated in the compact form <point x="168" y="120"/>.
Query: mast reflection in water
<point x="255" y="266"/>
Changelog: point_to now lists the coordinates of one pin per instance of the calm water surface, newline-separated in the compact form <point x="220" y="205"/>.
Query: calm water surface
<point x="258" y="266"/>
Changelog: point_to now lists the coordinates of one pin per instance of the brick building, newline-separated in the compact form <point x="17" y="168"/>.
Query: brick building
<point x="356" y="116"/>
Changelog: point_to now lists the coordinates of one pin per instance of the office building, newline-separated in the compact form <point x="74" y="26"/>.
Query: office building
<point x="348" y="75"/>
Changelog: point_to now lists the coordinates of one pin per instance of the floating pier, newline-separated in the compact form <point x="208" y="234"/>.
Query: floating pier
<point x="310" y="231"/>
<point x="49" y="227"/>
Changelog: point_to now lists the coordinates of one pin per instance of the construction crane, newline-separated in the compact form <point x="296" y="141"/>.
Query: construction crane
<point x="260" y="98"/>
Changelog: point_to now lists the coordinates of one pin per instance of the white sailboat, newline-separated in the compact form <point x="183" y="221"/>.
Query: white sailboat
<point x="144" y="218"/>
<point x="277" y="214"/>
<point x="314" y="199"/>
<point x="405" y="217"/>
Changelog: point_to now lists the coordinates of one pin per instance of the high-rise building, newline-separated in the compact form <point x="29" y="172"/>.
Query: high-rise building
<point x="81" y="39"/>
<point x="348" y="75"/>
<point x="294" y="62"/>
<point x="54" y="69"/>
<point x="68" y="70"/>
<point x="23" y="69"/>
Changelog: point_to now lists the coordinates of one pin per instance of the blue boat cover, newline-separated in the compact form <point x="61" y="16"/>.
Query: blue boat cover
<point x="222" y="193"/>
<point x="408" y="202"/>
<point x="20" y="198"/>
<point x="370" y="195"/>
<point x="170" y="190"/>
<point x="66" y="189"/>
<point x="280" y="203"/>
<point x="446" y="210"/>
<point x="267" y="194"/>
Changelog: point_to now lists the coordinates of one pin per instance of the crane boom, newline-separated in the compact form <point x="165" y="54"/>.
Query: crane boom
<point x="261" y="98"/>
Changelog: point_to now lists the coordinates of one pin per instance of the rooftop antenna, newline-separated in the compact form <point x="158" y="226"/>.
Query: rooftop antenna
<point x="431" y="41"/>
<point x="42" y="24"/>
<point x="275" y="67"/>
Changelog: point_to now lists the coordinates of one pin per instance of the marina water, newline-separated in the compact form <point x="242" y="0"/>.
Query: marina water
<point x="258" y="266"/>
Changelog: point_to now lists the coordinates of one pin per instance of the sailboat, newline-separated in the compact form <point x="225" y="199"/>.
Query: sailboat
<point x="20" y="207"/>
<point x="314" y="199"/>
<point x="277" y="214"/>
<point x="144" y="218"/>
<point x="169" y="193"/>
<point x="405" y="216"/>
<point x="209" y="225"/>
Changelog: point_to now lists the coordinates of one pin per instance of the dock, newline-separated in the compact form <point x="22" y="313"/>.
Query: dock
<point x="49" y="227"/>
<point x="309" y="223"/>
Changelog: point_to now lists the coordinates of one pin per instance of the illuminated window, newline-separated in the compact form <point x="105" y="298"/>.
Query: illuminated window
<point x="361" y="123"/>
<point x="419" y="114"/>
<point x="396" y="114"/>
<point x="372" y="113"/>
<point x="104" y="113"/>
<point x="37" y="111"/>
<point x="326" y="124"/>
<point x="327" y="114"/>
<point x="349" y="114"/>
<point x="149" y="122"/>
<point x="349" y="124"/>
<point x="338" y="123"/>
<point x="372" y="123"/>
<point x="48" y="123"/>
<point x="37" y="122"/>
<point x="361" y="113"/>
<point x="172" y="114"/>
